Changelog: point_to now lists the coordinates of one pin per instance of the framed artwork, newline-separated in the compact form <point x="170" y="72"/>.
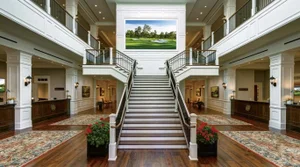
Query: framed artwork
<point x="198" y="92"/>
<point x="86" y="91"/>
<point x="215" y="91"/>
<point x="2" y="85"/>
<point x="102" y="91"/>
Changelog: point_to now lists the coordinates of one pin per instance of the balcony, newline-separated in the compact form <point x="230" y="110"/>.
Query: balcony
<point x="254" y="20"/>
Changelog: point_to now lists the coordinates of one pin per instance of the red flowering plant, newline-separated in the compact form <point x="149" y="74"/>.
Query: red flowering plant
<point x="98" y="133"/>
<point x="207" y="134"/>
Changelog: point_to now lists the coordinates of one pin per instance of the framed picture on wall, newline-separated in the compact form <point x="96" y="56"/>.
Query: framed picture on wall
<point x="86" y="91"/>
<point x="102" y="91"/>
<point x="198" y="92"/>
<point x="215" y="91"/>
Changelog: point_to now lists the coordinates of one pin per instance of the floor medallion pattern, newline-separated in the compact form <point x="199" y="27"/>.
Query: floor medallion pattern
<point x="279" y="149"/>
<point x="20" y="149"/>
<point x="220" y="120"/>
<point x="83" y="119"/>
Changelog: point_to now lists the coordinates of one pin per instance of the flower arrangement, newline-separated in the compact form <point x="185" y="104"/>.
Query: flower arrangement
<point x="11" y="98"/>
<point x="289" y="99"/>
<point x="98" y="133"/>
<point x="207" y="134"/>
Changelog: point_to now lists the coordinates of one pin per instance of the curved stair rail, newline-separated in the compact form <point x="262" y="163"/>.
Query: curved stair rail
<point x="192" y="58"/>
<point x="116" y="120"/>
<point x="188" y="121"/>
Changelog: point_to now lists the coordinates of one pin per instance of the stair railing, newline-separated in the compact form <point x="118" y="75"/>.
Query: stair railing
<point x="188" y="121"/>
<point x="123" y="61"/>
<point x="116" y="121"/>
<point x="192" y="58"/>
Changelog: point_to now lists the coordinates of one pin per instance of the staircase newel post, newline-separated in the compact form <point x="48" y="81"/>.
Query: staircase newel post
<point x="110" y="55"/>
<point x="191" y="56"/>
<point x="193" y="149"/>
<point x="176" y="99"/>
<point x="112" y="138"/>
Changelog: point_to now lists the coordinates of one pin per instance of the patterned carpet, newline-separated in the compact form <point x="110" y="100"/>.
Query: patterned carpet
<point x="278" y="149"/>
<point x="84" y="119"/>
<point x="23" y="148"/>
<point x="220" y="120"/>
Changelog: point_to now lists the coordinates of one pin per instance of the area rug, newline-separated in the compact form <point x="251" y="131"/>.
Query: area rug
<point x="83" y="119"/>
<point x="220" y="120"/>
<point x="279" y="149"/>
<point x="20" y="149"/>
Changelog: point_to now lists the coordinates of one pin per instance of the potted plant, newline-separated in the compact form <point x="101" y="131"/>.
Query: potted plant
<point x="11" y="100"/>
<point x="207" y="140"/>
<point x="289" y="101"/>
<point x="97" y="138"/>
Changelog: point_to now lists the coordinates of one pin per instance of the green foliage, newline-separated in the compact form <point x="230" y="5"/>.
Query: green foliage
<point x="98" y="133"/>
<point x="146" y="32"/>
<point x="206" y="134"/>
<point x="146" y="43"/>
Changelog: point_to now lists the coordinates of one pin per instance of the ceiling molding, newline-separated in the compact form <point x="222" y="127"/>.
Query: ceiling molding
<point x="112" y="7"/>
<point x="105" y="23"/>
<point x="195" y="24"/>
<point x="194" y="38"/>
<point x="107" y="40"/>
<point x="91" y="18"/>
<point x="213" y="14"/>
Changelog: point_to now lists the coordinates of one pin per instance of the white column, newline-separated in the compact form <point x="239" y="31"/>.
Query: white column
<point x="89" y="37"/>
<point x="206" y="32"/>
<point x="48" y="7"/>
<point x="71" y="79"/>
<point x="193" y="149"/>
<point x="253" y="10"/>
<point x="212" y="38"/>
<point x="191" y="56"/>
<point x="72" y="9"/>
<point x="110" y="55"/>
<point x="230" y="80"/>
<point x="206" y="93"/>
<point x="18" y="68"/>
<point x="229" y="10"/>
<point x="112" y="153"/>
<point x="281" y="68"/>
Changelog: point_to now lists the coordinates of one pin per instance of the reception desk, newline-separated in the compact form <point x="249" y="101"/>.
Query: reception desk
<point x="7" y="117"/>
<point x="43" y="110"/>
<point x="293" y="117"/>
<point x="258" y="111"/>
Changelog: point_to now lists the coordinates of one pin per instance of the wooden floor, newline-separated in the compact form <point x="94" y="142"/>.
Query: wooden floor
<point x="73" y="152"/>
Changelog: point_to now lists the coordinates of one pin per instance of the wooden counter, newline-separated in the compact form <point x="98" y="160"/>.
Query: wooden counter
<point x="293" y="117"/>
<point x="258" y="111"/>
<point x="7" y="117"/>
<point x="43" y="110"/>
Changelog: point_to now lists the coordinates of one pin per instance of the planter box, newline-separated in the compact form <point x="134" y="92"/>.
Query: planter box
<point x="207" y="149"/>
<point x="101" y="151"/>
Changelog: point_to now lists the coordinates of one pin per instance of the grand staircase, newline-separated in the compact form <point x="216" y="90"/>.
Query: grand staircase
<point x="151" y="121"/>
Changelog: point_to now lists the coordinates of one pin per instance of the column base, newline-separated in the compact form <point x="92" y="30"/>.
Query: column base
<point x="193" y="149"/>
<point x="277" y="125"/>
<point x="112" y="153"/>
<point x="23" y="117"/>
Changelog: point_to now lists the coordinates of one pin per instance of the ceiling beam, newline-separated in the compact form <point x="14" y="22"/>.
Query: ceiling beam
<point x="106" y="39"/>
<point x="193" y="40"/>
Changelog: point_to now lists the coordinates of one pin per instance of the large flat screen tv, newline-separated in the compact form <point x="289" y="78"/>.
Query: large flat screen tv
<point x="150" y="34"/>
<point x="215" y="91"/>
<point x="2" y="85"/>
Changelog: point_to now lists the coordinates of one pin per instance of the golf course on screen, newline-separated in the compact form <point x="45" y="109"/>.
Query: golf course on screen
<point x="150" y="34"/>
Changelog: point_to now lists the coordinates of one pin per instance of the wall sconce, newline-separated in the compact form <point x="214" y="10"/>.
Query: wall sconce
<point x="27" y="80"/>
<point x="76" y="85"/>
<point x="273" y="81"/>
<point x="224" y="85"/>
<point x="97" y="86"/>
<point x="203" y="86"/>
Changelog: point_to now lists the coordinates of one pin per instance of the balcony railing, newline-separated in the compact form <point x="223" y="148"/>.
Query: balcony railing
<point x="194" y="58"/>
<point x="207" y="43"/>
<point x="261" y="4"/>
<point x="220" y="33"/>
<point x="62" y="16"/>
<point x="240" y="16"/>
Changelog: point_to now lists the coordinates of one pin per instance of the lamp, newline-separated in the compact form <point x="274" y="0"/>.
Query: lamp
<point x="224" y="85"/>
<point x="203" y="86"/>
<point x="273" y="81"/>
<point x="97" y="86"/>
<point x="76" y="85"/>
<point x="27" y="80"/>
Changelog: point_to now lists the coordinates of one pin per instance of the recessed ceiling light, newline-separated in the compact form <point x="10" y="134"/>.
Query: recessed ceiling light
<point x="113" y="32"/>
<point x="197" y="18"/>
<point x="103" y="18"/>
<point x="63" y="4"/>
<point x="205" y="6"/>
<point x="96" y="5"/>
<point x="100" y="12"/>
<point x="201" y="13"/>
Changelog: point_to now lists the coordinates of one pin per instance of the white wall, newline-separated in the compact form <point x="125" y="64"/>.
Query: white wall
<point x="151" y="61"/>
<point x="3" y="75"/>
<point x="245" y="79"/>
<point x="85" y="103"/>
<point x="217" y="104"/>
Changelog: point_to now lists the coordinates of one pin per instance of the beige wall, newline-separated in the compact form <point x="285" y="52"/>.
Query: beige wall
<point x="110" y="90"/>
<point x="191" y="88"/>
<point x="3" y="75"/>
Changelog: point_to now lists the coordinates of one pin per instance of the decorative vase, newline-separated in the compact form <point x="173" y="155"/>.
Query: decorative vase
<point x="208" y="149"/>
<point x="289" y="102"/>
<point x="10" y="101"/>
<point x="101" y="151"/>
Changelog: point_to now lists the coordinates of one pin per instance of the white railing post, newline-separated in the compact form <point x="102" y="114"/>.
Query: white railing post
<point x="176" y="99"/>
<point x="253" y="10"/>
<point x="103" y="55"/>
<point x="202" y="47"/>
<point x="110" y="55"/>
<point x="197" y="56"/>
<point x="227" y="26"/>
<point x="212" y="38"/>
<point x="191" y="56"/>
<point x="193" y="143"/>
<point x="89" y="38"/>
<point x="74" y="26"/>
<point x="48" y="7"/>
<point x="112" y="138"/>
